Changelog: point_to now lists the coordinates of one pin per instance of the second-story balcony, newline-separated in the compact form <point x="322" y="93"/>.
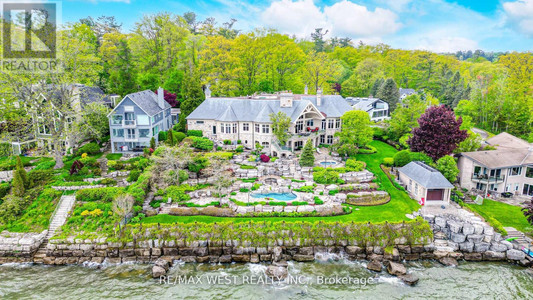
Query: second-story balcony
<point x="130" y="138"/>
<point x="308" y="131"/>
<point x="485" y="178"/>
<point x="129" y="123"/>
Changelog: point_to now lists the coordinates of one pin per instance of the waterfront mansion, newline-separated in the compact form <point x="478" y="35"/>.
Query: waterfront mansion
<point x="246" y="120"/>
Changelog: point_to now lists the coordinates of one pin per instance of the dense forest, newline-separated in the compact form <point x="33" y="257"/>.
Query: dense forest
<point x="182" y="53"/>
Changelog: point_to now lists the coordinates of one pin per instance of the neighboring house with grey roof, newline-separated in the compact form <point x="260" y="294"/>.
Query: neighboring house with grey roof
<point x="377" y="109"/>
<point x="425" y="184"/>
<point x="509" y="168"/>
<point x="404" y="93"/>
<point x="247" y="119"/>
<point x="136" y="119"/>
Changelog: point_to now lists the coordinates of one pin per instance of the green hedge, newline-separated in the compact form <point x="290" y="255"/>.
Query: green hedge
<point x="105" y="194"/>
<point x="90" y="148"/>
<point x="201" y="143"/>
<point x="197" y="133"/>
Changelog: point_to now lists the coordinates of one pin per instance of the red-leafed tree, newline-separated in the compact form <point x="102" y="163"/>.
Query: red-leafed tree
<point x="438" y="134"/>
<point x="170" y="98"/>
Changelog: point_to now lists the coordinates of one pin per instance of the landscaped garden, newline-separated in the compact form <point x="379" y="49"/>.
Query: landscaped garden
<point x="505" y="214"/>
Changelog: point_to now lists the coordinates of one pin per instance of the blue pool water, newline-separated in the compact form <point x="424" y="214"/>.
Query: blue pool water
<point x="328" y="163"/>
<point x="277" y="196"/>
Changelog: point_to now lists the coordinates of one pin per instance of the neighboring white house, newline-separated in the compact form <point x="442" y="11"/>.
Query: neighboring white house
<point x="375" y="107"/>
<point x="509" y="168"/>
<point x="246" y="120"/>
<point x="136" y="119"/>
<point x="424" y="183"/>
<point x="404" y="93"/>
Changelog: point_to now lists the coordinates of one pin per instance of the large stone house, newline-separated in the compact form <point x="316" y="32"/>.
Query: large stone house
<point x="509" y="168"/>
<point x="246" y="120"/>
<point x="377" y="109"/>
<point x="136" y="119"/>
<point x="38" y="132"/>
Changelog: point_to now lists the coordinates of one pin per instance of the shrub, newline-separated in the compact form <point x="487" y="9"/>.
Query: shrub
<point x="90" y="148"/>
<point x="318" y="201"/>
<point x="221" y="155"/>
<point x="402" y="158"/>
<point x="197" y="133"/>
<point x="179" y="136"/>
<point x="298" y="203"/>
<point x="239" y="148"/>
<point x="162" y="136"/>
<point x="45" y="165"/>
<point x="40" y="177"/>
<point x="368" y="150"/>
<point x="233" y="193"/>
<point x="89" y="162"/>
<point x="244" y="190"/>
<point x="256" y="186"/>
<point x="219" y="148"/>
<point x="355" y="166"/>
<point x="264" y="158"/>
<point x="183" y="175"/>
<point x="134" y="175"/>
<point x="388" y="161"/>
<point x="277" y="203"/>
<point x="75" y="167"/>
<point x="347" y="150"/>
<point x="113" y="156"/>
<point x="4" y="189"/>
<point x="201" y="143"/>
<point x="333" y="192"/>
<point x="420" y="156"/>
<point x="106" y="194"/>
<point x="247" y="167"/>
<point x="306" y="189"/>
<point x="326" y="176"/>
<point x="108" y="182"/>
<point x="238" y="142"/>
<point x="227" y="142"/>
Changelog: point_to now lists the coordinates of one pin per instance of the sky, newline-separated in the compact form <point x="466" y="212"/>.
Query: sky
<point x="436" y="25"/>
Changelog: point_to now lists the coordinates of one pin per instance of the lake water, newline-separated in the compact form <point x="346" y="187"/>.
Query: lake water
<point x="468" y="281"/>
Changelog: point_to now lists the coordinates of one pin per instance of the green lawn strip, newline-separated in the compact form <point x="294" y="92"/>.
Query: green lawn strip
<point x="508" y="215"/>
<point x="394" y="211"/>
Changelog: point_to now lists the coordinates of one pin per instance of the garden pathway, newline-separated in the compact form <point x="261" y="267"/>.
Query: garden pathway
<point x="63" y="208"/>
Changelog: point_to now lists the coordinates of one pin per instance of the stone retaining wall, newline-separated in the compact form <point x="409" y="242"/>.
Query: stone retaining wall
<point x="77" y="187"/>
<point x="20" y="244"/>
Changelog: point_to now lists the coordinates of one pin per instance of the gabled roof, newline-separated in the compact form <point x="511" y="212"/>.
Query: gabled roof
<point x="145" y="100"/>
<point x="259" y="110"/>
<point x="505" y="140"/>
<point x="365" y="104"/>
<point x="425" y="175"/>
<point x="407" y="91"/>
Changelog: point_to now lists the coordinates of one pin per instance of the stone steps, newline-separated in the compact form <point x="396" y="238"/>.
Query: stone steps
<point x="64" y="207"/>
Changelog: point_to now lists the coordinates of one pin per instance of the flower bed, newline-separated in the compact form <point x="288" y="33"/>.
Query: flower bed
<point x="368" y="199"/>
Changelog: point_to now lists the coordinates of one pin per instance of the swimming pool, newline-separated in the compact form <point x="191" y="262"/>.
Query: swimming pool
<point x="328" y="163"/>
<point x="277" y="196"/>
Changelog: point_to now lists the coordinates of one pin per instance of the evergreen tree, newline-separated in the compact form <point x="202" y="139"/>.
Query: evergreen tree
<point x="307" y="158"/>
<point x="20" y="169"/>
<point x="18" y="185"/>
<point x="389" y="93"/>
<point x="375" y="87"/>
<point x="152" y="143"/>
<point x="170" y="137"/>
<point x="193" y="95"/>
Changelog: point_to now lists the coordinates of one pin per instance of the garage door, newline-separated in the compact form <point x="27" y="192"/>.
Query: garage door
<point x="435" y="195"/>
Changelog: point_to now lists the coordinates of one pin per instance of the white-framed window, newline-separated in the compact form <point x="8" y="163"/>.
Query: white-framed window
<point x="129" y="108"/>
<point x="118" y="132"/>
<point x="508" y="187"/>
<point x="516" y="186"/>
<point x="144" y="132"/>
<point x="266" y="128"/>
<point x="155" y="130"/>
<point x="131" y="133"/>
<point x="257" y="128"/>
<point x="416" y="189"/>
<point x="44" y="129"/>
<point x="310" y="123"/>
<point x="516" y="171"/>
<point x="324" y="124"/>
<point x="116" y="119"/>
<point x="228" y="128"/>
<point x="331" y="123"/>
<point x="299" y="126"/>
<point x="410" y="184"/>
<point x="234" y="127"/>
<point x="245" y="126"/>
<point x="338" y="123"/>
<point x="199" y="122"/>
<point x="265" y="144"/>
<point x="322" y="139"/>
<point x="221" y="128"/>
<point x="330" y="139"/>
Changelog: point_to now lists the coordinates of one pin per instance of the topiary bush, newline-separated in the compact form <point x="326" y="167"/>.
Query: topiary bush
<point x="179" y="136"/>
<point x="402" y="158"/>
<point x="388" y="161"/>
<point x="162" y="136"/>
<point x="227" y="142"/>
<point x="239" y="149"/>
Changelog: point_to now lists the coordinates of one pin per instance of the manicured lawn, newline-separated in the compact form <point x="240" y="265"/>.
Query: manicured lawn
<point x="394" y="211"/>
<point x="507" y="215"/>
